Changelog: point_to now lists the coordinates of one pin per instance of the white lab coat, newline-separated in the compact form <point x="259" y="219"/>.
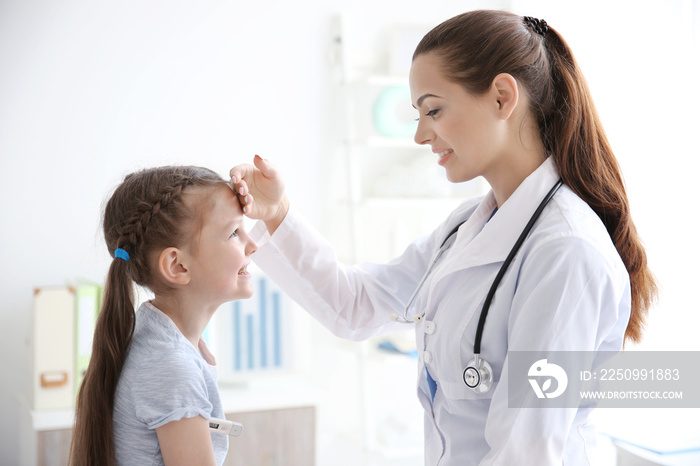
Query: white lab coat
<point x="566" y="290"/>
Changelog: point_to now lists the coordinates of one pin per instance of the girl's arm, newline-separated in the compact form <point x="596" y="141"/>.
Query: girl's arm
<point x="186" y="442"/>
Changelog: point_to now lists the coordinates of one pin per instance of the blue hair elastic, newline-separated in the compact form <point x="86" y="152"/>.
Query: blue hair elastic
<point x="121" y="254"/>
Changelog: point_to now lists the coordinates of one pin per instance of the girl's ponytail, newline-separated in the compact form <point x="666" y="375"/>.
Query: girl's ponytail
<point x="93" y="434"/>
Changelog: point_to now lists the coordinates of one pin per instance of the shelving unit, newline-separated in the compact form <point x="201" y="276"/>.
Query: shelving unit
<point x="389" y="191"/>
<point x="388" y="178"/>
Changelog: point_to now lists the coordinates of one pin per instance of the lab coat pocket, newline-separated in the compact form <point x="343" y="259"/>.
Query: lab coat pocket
<point x="460" y="350"/>
<point x="460" y="391"/>
<point x="455" y="386"/>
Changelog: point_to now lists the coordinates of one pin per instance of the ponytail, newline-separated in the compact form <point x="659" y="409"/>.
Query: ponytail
<point x="477" y="46"/>
<point x="574" y="136"/>
<point x="93" y="434"/>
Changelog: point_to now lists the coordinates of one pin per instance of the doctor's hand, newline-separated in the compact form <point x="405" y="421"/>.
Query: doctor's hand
<point x="260" y="190"/>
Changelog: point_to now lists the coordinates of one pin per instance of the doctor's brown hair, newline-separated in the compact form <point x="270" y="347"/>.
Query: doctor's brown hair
<point x="151" y="210"/>
<point x="476" y="46"/>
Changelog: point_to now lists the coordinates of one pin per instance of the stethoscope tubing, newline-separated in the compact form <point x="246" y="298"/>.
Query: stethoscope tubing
<point x="506" y="264"/>
<point x="496" y="281"/>
<point x="478" y="375"/>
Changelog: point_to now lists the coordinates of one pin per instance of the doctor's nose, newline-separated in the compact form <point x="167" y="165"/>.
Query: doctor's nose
<point x="422" y="136"/>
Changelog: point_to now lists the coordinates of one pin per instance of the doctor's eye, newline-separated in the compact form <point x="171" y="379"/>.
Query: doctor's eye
<point x="430" y="113"/>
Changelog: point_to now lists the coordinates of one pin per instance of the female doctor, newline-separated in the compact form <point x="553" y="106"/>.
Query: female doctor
<point x="560" y="264"/>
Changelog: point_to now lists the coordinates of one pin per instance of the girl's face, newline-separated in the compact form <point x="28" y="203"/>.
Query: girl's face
<point x="462" y="129"/>
<point x="222" y="252"/>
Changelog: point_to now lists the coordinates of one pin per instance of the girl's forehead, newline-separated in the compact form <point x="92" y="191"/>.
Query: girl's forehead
<point x="225" y="200"/>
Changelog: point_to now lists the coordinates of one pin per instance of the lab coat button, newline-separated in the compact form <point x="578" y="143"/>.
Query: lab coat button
<point x="427" y="357"/>
<point x="429" y="327"/>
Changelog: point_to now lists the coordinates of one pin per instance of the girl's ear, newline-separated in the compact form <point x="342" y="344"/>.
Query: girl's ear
<point x="506" y="92"/>
<point x="171" y="267"/>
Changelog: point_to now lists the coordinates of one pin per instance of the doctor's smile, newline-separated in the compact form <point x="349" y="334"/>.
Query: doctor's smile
<point x="442" y="155"/>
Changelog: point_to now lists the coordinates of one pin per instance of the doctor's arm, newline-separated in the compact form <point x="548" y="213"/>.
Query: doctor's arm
<point x="568" y="298"/>
<point x="353" y="302"/>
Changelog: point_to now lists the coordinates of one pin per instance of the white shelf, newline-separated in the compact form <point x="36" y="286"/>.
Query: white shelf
<point x="379" y="142"/>
<point x="386" y="80"/>
<point x="415" y="202"/>
<point x="52" y="420"/>
<point x="266" y="394"/>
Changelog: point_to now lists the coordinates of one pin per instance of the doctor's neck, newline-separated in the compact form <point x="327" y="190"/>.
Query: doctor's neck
<point x="514" y="165"/>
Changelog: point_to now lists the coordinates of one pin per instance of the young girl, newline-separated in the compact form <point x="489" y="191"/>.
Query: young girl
<point x="499" y="96"/>
<point x="151" y="383"/>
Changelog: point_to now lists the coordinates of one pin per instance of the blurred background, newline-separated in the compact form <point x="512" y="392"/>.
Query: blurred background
<point x="90" y="91"/>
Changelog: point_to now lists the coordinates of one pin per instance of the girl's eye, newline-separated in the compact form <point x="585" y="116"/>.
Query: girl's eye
<point x="234" y="234"/>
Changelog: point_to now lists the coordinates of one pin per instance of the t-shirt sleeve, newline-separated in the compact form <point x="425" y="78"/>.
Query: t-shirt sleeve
<point x="170" y="388"/>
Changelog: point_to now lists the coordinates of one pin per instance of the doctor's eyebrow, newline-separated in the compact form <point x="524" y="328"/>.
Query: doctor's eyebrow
<point x="423" y="97"/>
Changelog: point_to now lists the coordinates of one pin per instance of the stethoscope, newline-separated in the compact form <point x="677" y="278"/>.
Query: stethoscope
<point x="478" y="375"/>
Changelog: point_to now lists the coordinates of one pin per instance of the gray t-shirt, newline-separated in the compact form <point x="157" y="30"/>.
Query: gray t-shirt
<point x="165" y="378"/>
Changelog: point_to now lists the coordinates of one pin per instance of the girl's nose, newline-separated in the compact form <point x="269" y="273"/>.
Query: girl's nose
<point x="251" y="246"/>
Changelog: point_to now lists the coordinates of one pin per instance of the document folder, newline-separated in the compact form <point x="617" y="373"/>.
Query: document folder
<point x="88" y="297"/>
<point x="53" y="333"/>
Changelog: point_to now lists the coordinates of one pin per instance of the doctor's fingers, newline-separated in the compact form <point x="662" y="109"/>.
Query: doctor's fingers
<point x="244" y="197"/>
<point x="260" y="166"/>
<point x="238" y="175"/>
<point x="250" y="208"/>
<point x="240" y="189"/>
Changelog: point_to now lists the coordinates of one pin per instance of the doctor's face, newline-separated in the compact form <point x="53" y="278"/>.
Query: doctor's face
<point x="460" y="127"/>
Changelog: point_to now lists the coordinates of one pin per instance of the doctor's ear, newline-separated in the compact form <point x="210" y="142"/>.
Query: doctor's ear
<point x="505" y="90"/>
<point x="172" y="268"/>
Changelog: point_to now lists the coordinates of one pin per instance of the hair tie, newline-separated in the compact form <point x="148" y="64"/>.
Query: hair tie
<point x="121" y="254"/>
<point x="537" y="25"/>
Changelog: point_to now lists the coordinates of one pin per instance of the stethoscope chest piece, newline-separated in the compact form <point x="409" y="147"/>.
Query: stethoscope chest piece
<point x="478" y="375"/>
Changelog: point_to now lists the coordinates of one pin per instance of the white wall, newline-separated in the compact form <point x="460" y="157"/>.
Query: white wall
<point x="92" y="90"/>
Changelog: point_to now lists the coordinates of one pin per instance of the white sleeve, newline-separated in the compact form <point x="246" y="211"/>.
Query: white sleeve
<point x="353" y="302"/>
<point x="570" y="297"/>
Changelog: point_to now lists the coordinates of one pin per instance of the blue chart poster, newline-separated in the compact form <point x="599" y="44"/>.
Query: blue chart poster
<point x="250" y="334"/>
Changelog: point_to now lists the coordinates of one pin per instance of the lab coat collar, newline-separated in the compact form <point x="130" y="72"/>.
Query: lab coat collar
<point x="482" y="241"/>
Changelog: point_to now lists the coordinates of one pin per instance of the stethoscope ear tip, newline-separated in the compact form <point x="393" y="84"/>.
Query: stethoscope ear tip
<point x="394" y="317"/>
<point x="417" y="318"/>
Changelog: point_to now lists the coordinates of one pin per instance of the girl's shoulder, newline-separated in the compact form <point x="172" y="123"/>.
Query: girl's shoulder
<point x="157" y="344"/>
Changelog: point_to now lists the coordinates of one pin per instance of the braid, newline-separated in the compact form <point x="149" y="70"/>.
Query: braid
<point x="133" y="233"/>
